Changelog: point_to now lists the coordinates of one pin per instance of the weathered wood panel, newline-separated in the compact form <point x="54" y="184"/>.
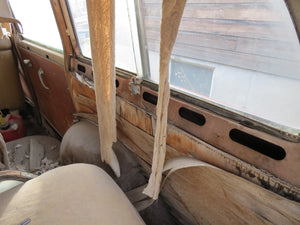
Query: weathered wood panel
<point x="216" y="132"/>
<point x="248" y="34"/>
<point x="136" y="116"/>
<point x="83" y="96"/>
<point x="268" y="31"/>
<point x="101" y="16"/>
<point x="241" y="60"/>
<point x="247" y="11"/>
<point x="271" y="48"/>
<point x="139" y="141"/>
<point x="180" y="191"/>
<point x="210" y="196"/>
<point x="214" y="196"/>
<point x="185" y="143"/>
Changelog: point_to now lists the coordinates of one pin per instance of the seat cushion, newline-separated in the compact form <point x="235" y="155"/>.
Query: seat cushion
<point x="74" y="194"/>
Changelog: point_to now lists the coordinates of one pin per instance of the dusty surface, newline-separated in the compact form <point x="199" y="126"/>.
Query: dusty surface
<point x="84" y="194"/>
<point x="19" y="153"/>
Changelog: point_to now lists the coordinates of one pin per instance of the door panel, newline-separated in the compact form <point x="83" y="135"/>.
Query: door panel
<point x="51" y="90"/>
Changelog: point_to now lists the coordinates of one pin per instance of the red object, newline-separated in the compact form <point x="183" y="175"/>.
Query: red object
<point x="15" y="130"/>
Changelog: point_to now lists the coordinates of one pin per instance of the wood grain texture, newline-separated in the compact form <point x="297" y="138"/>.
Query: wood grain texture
<point x="214" y="196"/>
<point x="61" y="24"/>
<point x="80" y="89"/>
<point x="136" y="116"/>
<point x="171" y="16"/>
<point x="228" y="198"/>
<point x="181" y="142"/>
<point x="206" y="196"/>
<point x="102" y="27"/>
<point x="247" y="11"/>
<point x="249" y="34"/>
<point x="216" y="132"/>
<point x="139" y="141"/>
<point x="75" y="86"/>
<point x="270" y="65"/>
<point x="56" y="103"/>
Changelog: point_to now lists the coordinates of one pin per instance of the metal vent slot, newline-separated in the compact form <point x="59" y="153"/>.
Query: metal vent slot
<point x="150" y="98"/>
<point x="264" y="147"/>
<point x="192" y="116"/>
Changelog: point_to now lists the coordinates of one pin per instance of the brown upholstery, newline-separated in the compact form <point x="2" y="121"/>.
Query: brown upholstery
<point x="74" y="194"/>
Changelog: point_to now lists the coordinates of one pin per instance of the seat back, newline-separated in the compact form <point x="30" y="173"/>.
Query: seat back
<point x="73" y="194"/>
<point x="11" y="94"/>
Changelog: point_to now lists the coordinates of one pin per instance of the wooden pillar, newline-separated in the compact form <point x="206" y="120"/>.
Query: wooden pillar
<point x="172" y="11"/>
<point x="102" y="37"/>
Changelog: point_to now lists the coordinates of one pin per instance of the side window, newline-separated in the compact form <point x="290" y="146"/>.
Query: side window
<point x="125" y="58"/>
<point x="38" y="22"/>
<point x="244" y="55"/>
<point x="191" y="77"/>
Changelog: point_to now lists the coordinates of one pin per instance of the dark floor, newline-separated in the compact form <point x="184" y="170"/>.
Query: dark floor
<point x="32" y="121"/>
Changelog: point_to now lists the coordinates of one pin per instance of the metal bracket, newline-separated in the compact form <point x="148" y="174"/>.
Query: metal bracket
<point x="135" y="85"/>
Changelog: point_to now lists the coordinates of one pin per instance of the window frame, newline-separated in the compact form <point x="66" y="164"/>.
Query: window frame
<point x="245" y="119"/>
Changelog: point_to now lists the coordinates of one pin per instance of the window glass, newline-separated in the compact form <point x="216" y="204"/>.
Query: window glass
<point x="38" y="21"/>
<point x="242" y="54"/>
<point x="123" y="48"/>
<point x="190" y="77"/>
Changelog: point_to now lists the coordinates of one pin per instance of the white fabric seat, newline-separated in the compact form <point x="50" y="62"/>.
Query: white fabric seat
<point x="74" y="194"/>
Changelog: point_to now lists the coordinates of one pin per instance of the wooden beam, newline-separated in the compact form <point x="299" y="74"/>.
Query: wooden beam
<point x="171" y="16"/>
<point x="102" y="27"/>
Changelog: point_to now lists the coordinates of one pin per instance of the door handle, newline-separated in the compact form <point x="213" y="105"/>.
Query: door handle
<point x="41" y="73"/>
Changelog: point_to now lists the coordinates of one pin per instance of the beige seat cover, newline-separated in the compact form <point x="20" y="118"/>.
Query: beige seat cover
<point x="74" y="194"/>
<point x="11" y="94"/>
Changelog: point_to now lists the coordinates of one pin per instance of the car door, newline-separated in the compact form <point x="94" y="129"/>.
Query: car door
<point x="42" y="57"/>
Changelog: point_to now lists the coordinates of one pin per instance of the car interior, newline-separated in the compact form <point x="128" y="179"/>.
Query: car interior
<point x="149" y="112"/>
